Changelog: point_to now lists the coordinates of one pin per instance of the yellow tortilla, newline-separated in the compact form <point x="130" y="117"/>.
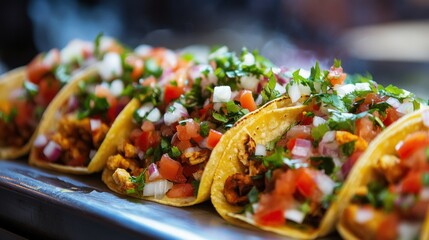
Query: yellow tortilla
<point x="384" y="144"/>
<point x="49" y="123"/>
<point x="126" y="125"/>
<point x="10" y="81"/>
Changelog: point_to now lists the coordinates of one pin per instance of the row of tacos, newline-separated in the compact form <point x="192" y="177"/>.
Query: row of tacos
<point x="291" y="152"/>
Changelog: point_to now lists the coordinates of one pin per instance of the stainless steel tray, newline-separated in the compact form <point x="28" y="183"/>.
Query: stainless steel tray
<point x="38" y="203"/>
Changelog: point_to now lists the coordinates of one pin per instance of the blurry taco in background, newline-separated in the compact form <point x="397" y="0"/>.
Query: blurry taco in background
<point x="288" y="173"/>
<point x="77" y="122"/>
<point x="171" y="150"/>
<point x="26" y="92"/>
<point x="391" y="198"/>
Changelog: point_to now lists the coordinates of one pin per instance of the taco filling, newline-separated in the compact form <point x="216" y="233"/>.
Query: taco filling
<point x="182" y="118"/>
<point x="46" y="74"/>
<point x="294" y="179"/>
<point x="395" y="203"/>
<point x="87" y="115"/>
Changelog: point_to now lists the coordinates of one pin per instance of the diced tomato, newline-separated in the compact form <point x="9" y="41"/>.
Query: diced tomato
<point x="365" y="129"/>
<point x="213" y="138"/>
<point x="48" y="89"/>
<point x="24" y="113"/>
<point x="305" y="183"/>
<point x="102" y="91"/>
<point x="304" y="119"/>
<point x="270" y="210"/>
<point x="391" y="116"/>
<point x="181" y="190"/>
<point x="183" y="145"/>
<point x="274" y="218"/>
<point x="388" y="228"/>
<point x="291" y="143"/>
<point x="285" y="183"/>
<point x="112" y="112"/>
<point x="36" y="70"/>
<point x="168" y="167"/>
<point x="147" y="126"/>
<point x="412" y="183"/>
<point x="412" y="143"/>
<point x="189" y="130"/>
<point x="348" y="165"/>
<point x="138" y="66"/>
<point x="172" y="93"/>
<point x="336" y="75"/>
<point x="147" y="140"/>
<point x="247" y="101"/>
<point x="205" y="110"/>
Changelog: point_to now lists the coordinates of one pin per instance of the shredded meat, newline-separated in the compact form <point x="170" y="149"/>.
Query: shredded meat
<point x="197" y="157"/>
<point x="389" y="166"/>
<point x="236" y="189"/>
<point x="119" y="162"/>
<point x="248" y="150"/>
<point x="13" y="136"/>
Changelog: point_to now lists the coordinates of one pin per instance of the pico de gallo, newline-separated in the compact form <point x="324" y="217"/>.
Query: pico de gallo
<point x="395" y="203"/>
<point x="46" y="74"/>
<point x="88" y="114"/>
<point x="183" y="117"/>
<point x="294" y="179"/>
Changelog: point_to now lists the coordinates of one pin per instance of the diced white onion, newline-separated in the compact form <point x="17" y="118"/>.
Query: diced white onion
<point x="328" y="149"/>
<point x="393" y="102"/>
<point x="363" y="215"/>
<point x="179" y="112"/>
<point x="110" y="66"/>
<point x="143" y="50"/>
<point x="260" y="150"/>
<point x="222" y="94"/>
<point x="305" y="90"/>
<point x="218" y="53"/>
<point x="408" y="230"/>
<point x="74" y="50"/>
<point x="249" y="82"/>
<point x="405" y="107"/>
<point x="343" y="90"/>
<point x="281" y="89"/>
<point x="117" y="87"/>
<point x="95" y="124"/>
<point x="424" y="194"/>
<point x="154" y="115"/>
<point x="52" y="151"/>
<point x="217" y="106"/>
<point x="304" y="73"/>
<point x="328" y="137"/>
<point x="51" y="58"/>
<point x="302" y="148"/>
<point x="318" y="121"/>
<point x="248" y="59"/>
<point x="153" y="171"/>
<point x="276" y="70"/>
<point x="157" y="188"/>
<point x="144" y="109"/>
<point x="258" y="100"/>
<point x="425" y="117"/>
<point x="362" y="87"/>
<point x="325" y="184"/>
<point x="40" y="141"/>
<point x="294" y="215"/>
<point x="294" y="93"/>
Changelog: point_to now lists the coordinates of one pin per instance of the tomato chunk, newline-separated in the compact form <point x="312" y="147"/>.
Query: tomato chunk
<point x="305" y="183"/>
<point x="181" y="190"/>
<point x="412" y="143"/>
<point x="247" y="101"/>
<point x="412" y="183"/>
<point x="388" y="228"/>
<point x="169" y="168"/>
<point x="213" y="138"/>
<point x="172" y="93"/>
<point x="148" y="139"/>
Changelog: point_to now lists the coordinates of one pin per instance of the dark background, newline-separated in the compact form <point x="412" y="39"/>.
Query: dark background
<point x="291" y="33"/>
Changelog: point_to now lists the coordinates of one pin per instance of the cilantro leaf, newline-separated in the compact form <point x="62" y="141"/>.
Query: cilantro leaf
<point x="347" y="149"/>
<point x="275" y="159"/>
<point x="220" y="118"/>
<point x="140" y="181"/>
<point x="253" y="195"/>
<point x="204" y="129"/>
<point x="318" y="132"/>
<point x="324" y="163"/>
<point x="93" y="105"/>
<point x="174" y="152"/>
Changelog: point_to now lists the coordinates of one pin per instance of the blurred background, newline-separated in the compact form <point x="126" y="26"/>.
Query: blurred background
<point x="386" y="38"/>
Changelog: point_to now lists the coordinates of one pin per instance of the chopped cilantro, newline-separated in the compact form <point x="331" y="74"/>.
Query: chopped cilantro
<point x="204" y="129"/>
<point x="324" y="163"/>
<point x="165" y="145"/>
<point x="427" y="154"/>
<point x="97" y="45"/>
<point x="305" y="207"/>
<point x="269" y="175"/>
<point x="232" y="107"/>
<point x="220" y="118"/>
<point x="175" y="152"/>
<point x="139" y="181"/>
<point x="268" y="92"/>
<point x="31" y="88"/>
<point x="343" y="121"/>
<point x="393" y="91"/>
<point x="93" y="105"/>
<point x="62" y="73"/>
<point x="425" y="179"/>
<point x="347" y="149"/>
<point x="151" y="68"/>
<point x="7" y="118"/>
<point x="337" y="63"/>
<point x="318" y="132"/>
<point x="196" y="186"/>
<point x="315" y="72"/>
<point x="276" y="159"/>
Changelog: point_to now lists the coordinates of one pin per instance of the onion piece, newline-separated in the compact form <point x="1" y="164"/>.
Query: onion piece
<point x="153" y="172"/>
<point x="40" y="141"/>
<point x="260" y="150"/>
<point x="110" y="66"/>
<point x="95" y="124"/>
<point x="52" y="151"/>
<point x="328" y="137"/>
<point x="143" y="50"/>
<point x="178" y="113"/>
<point x="325" y="184"/>
<point x="408" y="230"/>
<point x="294" y="92"/>
<point x="294" y="215"/>
<point x="154" y="115"/>
<point x="302" y="147"/>
<point x="406" y="107"/>
<point x="363" y="215"/>
<point x="318" y="121"/>
<point x="248" y="59"/>
<point x="393" y="102"/>
<point x="222" y="94"/>
<point x="425" y="117"/>
<point x="249" y="82"/>
<point x="117" y="87"/>
<point x="157" y="188"/>
<point x="280" y="88"/>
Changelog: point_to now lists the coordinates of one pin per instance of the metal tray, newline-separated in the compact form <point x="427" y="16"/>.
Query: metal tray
<point x="38" y="203"/>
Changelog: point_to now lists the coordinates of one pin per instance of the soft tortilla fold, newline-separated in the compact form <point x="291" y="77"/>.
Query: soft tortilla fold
<point x="50" y="121"/>
<point x="125" y="125"/>
<point x="384" y="144"/>
<point x="8" y="83"/>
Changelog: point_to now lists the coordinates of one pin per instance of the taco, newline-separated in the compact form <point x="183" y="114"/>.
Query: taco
<point x="26" y="92"/>
<point x="390" y="198"/>
<point x="172" y="150"/>
<point x="291" y="180"/>
<point x="77" y="124"/>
